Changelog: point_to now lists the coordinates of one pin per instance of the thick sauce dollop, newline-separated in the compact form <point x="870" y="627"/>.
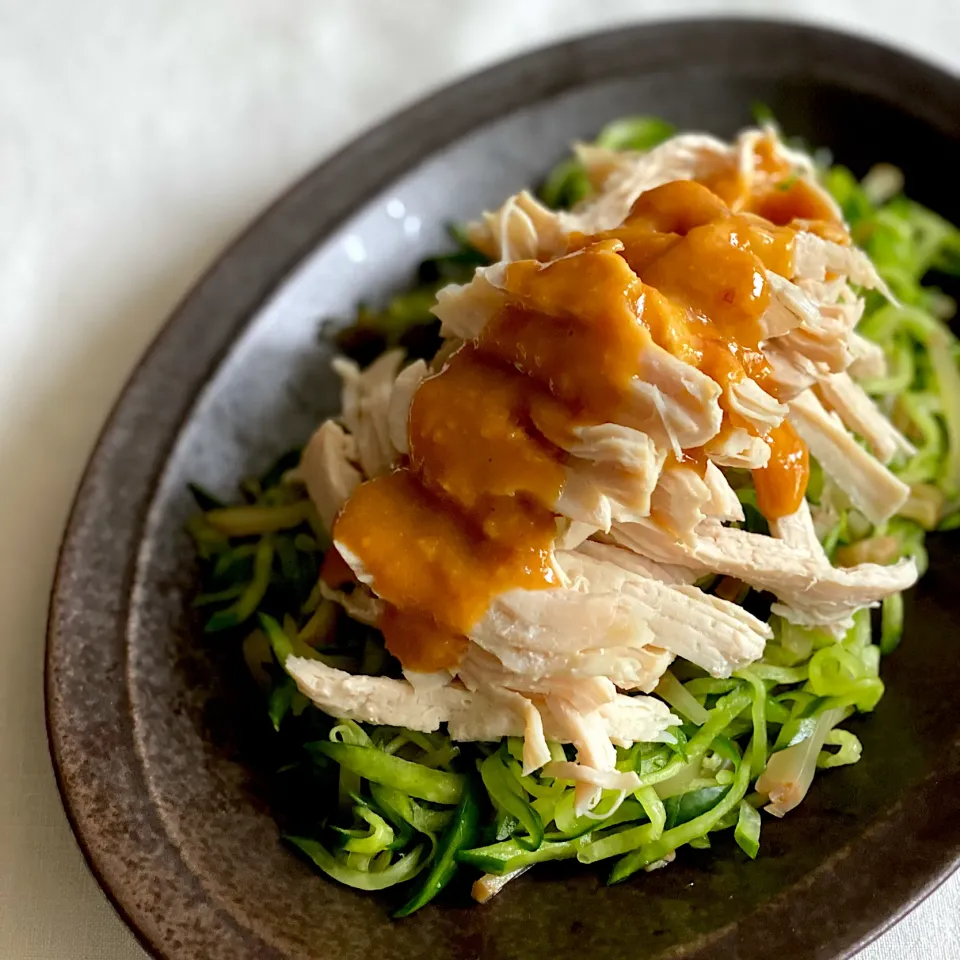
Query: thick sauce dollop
<point x="471" y="514"/>
<point x="782" y="483"/>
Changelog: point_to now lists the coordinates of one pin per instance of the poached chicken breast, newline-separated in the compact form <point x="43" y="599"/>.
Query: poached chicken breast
<point x="609" y="378"/>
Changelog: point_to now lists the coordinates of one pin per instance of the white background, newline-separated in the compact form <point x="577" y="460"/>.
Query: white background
<point x="136" y="138"/>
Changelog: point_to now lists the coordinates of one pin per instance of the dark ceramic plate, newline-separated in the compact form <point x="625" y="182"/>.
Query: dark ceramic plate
<point x="158" y="750"/>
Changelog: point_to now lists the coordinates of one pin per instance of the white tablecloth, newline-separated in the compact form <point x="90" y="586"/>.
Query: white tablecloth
<point x="136" y="138"/>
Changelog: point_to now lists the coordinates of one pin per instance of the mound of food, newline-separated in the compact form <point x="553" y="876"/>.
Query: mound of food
<point x="617" y="539"/>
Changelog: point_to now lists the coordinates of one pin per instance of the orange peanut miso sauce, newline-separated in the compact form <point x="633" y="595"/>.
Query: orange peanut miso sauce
<point x="775" y="192"/>
<point x="782" y="483"/>
<point x="471" y="513"/>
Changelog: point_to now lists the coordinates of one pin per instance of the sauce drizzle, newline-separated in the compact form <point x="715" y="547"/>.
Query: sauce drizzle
<point x="472" y="514"/>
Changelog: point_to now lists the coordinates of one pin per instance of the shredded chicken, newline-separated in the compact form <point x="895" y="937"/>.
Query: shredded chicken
<point x="859" y="413"/>
<point x="679" y="500"/>
<point x="790" y="307"/>
<point x="638" y="520"/>
<point x="360" y="604"/>
<point x="791" y="371"/>
<point x="797" y="576"/>
<point x="620" y="177"/>
<point x="624" y="176"/>
<point x="366" y="402"/>
<point x="871" y="487"/>
<point x="634" y="563"/>
<point x="737" y="448"/>
<point x="398" y="409"/>
<point x="714" y="634"/>
<point x="470" y="715"/>
<point x="523" y="228"/>
<point x="869" y="359"/>
<point x="814" y="258"/>
<point x="328" y="468"/>
<point x="749" y="402"/>
<point x="572" y="533"/>
<point x="724" y="504"/>
<point x="465" y="309"/>
<point x="797" y="531"/>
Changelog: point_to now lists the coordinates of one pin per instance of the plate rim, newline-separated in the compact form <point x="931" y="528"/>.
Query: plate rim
<point x="275" y="266"/>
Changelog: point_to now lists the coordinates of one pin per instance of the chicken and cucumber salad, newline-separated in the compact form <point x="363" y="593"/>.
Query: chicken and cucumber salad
<point x="611" y="533"/>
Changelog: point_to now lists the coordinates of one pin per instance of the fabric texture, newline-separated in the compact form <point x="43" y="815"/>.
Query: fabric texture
<point x="138" y="136"/>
